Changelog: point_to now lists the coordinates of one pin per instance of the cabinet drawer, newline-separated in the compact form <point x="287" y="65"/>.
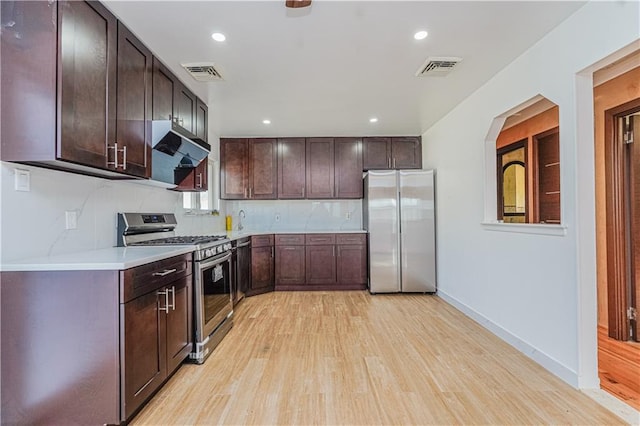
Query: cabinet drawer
<point x="140" y="280"/>
<point x="351" y="239"/>
<point x="319" y="239"/>
<point x="290" y="239"/>
<point x="261" y="241"/>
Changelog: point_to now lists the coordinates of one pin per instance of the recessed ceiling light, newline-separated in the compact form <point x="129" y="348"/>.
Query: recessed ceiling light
<point x="218" y="37"/>
<point x="373" y="120"/>
<point x="420" y="35"/>
<point x="266" y="121"/>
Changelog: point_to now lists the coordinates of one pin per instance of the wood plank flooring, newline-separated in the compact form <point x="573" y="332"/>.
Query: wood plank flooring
<point x="352" y="358"/>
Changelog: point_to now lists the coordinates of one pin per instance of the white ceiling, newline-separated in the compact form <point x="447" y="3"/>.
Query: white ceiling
<point x="325" y="70"/>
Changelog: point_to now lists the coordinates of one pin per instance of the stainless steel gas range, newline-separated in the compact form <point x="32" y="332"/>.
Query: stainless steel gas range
<point x="212" y="298"/>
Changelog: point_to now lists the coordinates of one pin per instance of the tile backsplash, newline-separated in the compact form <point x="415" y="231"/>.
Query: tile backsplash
<point x="296" y="215"/>
<point x="33" y="223"/>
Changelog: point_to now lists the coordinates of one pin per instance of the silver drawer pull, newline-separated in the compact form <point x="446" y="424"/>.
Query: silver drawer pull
<point x="164" y="273"/>
<point x="164" y="293"/>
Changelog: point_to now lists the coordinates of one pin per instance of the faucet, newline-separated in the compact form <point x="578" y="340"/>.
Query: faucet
<point x="241" y="215"/>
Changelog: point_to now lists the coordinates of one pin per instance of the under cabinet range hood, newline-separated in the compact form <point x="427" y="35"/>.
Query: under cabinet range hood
<point x="174" y="150"/>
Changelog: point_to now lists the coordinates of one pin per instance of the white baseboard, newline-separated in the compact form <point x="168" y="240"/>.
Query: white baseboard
<point x="564" y="373"/>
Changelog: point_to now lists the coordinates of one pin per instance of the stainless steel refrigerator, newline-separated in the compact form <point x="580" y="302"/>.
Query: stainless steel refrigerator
<point x="399" y="214"/>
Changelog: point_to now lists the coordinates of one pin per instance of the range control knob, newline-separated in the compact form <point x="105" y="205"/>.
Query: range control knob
<point x="208" y="253"/>
<point x="219" y="248"/>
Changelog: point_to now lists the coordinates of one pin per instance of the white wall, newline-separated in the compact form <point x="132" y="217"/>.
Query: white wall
<point x="525" y="287"/>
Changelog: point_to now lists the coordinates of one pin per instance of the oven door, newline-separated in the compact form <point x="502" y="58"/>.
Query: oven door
<point x="212" y="294"/>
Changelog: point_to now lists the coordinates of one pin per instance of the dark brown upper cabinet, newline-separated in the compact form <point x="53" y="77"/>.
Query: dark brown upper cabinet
<point x="133" y="125"/>
<point x="348" y="168"/>
<point x="192" y="179"/>
<point x="164" y="83"/>
<point x="263" y="169"/>
<point x="87" y="81"/>
<point x="202" y="123"/>
<point x="291" y="168"/>
<point x="234" y="168"/>
<point x="382" y="153"/>
<point x="184" y="108"/>
<point x="320" y="168"/>
<point x="248" y="169"/>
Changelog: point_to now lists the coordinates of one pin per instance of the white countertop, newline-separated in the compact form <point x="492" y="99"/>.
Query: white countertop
<point x="234" y="235"/>
<point x="114" y="258"/>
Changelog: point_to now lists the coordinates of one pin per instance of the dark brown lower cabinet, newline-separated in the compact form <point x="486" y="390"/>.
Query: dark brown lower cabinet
<point x="289" y="261"/>
<point x="262" y="265"/>
<point x="157" y="331"/>
<point x="321" y="264"/>
<point x="351" y="264"/>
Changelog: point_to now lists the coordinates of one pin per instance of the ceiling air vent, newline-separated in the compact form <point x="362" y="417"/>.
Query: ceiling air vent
<point x="203" y="71"/>
<point x="437" y="66"/>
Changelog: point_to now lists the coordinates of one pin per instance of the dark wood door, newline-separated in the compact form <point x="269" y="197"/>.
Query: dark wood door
<point x="202" y="123"/>
<point x="376" y="153"/>
<point x="163" y="91"/>
<point x="263" y="169"/>
<point x="243" y="270"/>
<point x="351" y="264"/>
<point x="234" y="169"/>
<point x="320" y="168"/>
<point x="87" y="82"/>
<point x="290" y="265"/>
<point x="406" y="152"/>
<point x="348" y="168"/>
<point x="133" y="125"/>
<point x="144" y="348"/>
<point x="320" y="264"/>
<point x="262" y="278"/>
<point x="179" y="320"/>
<point x="184" y="107"/>
<point x="548" y="168"/>
<point x="291" y="168"/>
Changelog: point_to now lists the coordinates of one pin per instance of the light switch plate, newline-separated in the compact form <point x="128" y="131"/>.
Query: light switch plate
<point x="22" y="180"/>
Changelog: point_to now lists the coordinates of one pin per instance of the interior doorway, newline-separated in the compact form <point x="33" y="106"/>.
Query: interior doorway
<point x="617" y="137"/>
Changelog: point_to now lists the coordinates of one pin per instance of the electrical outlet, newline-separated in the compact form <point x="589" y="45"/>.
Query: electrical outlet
<point x="348" y="215"/>
<point x="22" y="180"/>
<point x="277" y="217"/>
<point x="71" y="217"/>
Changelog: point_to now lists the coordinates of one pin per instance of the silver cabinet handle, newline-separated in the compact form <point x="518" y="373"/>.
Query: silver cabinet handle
<point x="124" y="157"/>
<point x="394" y="162"/>
<point x="164" y="293"/>
<point x="334" y="250"/>
<point x="173" y="297"/>
<point x="115" y="155"/>
<point x="389" y="162"/>
<point x="245" y="193"/>
<point x="272" y="251"/>
<point x="164" y="273"/>
<point x="250" y="192"/>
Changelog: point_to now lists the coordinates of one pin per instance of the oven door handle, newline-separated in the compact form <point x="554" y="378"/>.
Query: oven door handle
<point x="244" y="244"/>
<point x="214" y="261"/>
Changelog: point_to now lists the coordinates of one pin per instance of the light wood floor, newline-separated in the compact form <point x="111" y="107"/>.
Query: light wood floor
<point x="351" y="358"/>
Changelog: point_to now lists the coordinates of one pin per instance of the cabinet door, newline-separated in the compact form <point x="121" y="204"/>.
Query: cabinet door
<point x="144" y="349"/>
<point x="320" y="168"/>
<point x="202" y="123"/>
<point x="193" y="179"/>
<point x="243" y="271"/>
<point x="290" y="262"/>
<point x="291" y="168"/>
<point x="163" y="91"/>
<point x="348" y="164"/>
<point x="179" y="319"/>
<point x="262" y="268"/>
<point x="406" y="152"/>
<point x="352" y="264"/>
<point x="263" y="169"/>
<point x="234" y="169"/>
<point x="133" y="125"/>
<point x="184" y="107"/>
<point x="376" y="153"/>
<point x="320" y="264"/>
<point x="87" y="82"/>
